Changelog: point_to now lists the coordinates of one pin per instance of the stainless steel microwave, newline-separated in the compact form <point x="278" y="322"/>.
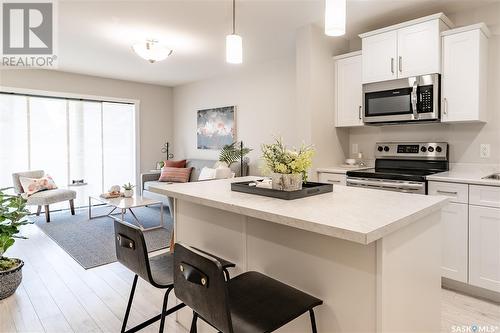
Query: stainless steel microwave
<point x="413" y="99"/>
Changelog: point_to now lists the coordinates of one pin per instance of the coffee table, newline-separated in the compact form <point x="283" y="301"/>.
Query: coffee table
<point x="123" y="204"/>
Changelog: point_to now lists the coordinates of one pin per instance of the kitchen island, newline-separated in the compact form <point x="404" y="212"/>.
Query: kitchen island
<point x="372" y="256"/>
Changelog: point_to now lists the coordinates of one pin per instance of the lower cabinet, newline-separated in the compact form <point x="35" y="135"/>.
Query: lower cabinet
<point x="454" y="224"/>
<point x="484" y="247"/>
<point x="332" y="178"/>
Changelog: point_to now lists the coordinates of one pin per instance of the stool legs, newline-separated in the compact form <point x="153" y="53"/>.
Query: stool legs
<point x="193" y="323"/>
<point x="164" y="309"/>
<point x="129" y="305"/>
<point x="313" y="321"/>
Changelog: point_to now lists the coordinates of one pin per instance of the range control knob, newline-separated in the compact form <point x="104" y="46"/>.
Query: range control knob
<point x="380" y="148"/>
<point x="431" y="149"/>
<point x="423" y="149"/>
<point x="439" y="149"/>
<point x="386" y="148"/>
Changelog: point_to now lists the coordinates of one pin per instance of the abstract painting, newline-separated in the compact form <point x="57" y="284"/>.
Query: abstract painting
<point x="216" y="127"/>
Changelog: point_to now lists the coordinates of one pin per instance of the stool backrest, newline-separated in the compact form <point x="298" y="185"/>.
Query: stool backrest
<point x="131" y="250"/>
<point x="199" y="282"/>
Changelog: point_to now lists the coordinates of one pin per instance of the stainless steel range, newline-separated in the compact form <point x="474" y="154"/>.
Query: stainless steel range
<point x="402" y="166"/>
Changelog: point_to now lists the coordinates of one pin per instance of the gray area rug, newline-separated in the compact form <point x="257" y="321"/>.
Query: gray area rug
<point x="91" y="242"/>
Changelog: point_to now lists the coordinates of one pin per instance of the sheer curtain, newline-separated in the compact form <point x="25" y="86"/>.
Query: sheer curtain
<point x="70" y="139"/>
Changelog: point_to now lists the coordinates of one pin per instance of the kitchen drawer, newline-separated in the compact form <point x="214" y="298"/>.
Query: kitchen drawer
<point x="488" y="196"/>
<point x="332" y="178"/>
<point x="456" y="192"/>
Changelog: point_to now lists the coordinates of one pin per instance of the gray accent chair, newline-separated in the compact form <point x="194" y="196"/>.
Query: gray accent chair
<point x="150" y="179"/>
<point x="43" y="198"/>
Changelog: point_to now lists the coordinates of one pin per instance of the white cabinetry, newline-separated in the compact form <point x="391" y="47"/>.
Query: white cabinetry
<point x="332" y="178"/>
<point x="464" y="79"/>
<point x="348" y="90"/>
<point x="484" y="247"/>
<point x="403" y="50"/>
<point x="454" y="224"/>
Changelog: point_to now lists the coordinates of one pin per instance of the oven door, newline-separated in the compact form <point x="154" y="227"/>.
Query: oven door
<point x="388" y="185"/>
<point x="403" y="100"/>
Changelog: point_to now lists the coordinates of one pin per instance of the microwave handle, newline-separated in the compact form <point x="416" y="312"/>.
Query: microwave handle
<point x="414" y="99"/>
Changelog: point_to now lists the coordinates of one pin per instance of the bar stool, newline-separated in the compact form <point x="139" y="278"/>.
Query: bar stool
<point x="131" y="252"/>
<point x="250" y="302"/>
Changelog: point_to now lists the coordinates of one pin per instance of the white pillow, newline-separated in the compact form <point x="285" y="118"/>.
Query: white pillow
<point x="223" y="173"/>
<point x="207" y="173"/>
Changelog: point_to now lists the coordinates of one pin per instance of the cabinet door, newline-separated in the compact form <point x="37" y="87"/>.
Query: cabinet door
<point x="419" y="49"/>
<point x="332" y="178"/>
<point x="461" y="100"/>
<point x="454" y="225"/>
<point x="484" y="247"/>
<point x="379" y="57"/>
<point x="348" y="92"/>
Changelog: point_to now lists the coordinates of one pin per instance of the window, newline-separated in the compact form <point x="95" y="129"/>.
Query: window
<point x="72" y="140"/>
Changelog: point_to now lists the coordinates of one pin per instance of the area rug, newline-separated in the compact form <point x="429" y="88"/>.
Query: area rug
<point x="91" y="242"/>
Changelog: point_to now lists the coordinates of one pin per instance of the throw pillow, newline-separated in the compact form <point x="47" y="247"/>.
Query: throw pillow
<point x="178" y="175"/>
<point x="174" y="164"/>
<point x="34" y="185"/>
<point x="207" y="173"/>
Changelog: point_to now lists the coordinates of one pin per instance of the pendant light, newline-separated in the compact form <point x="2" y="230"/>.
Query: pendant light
<point x="335" y="17"/>
<point x="234" y="44"/>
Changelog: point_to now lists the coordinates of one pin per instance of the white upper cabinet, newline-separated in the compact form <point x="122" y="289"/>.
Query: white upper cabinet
<point x="404" y="50"/>
<point x="379" y="57"/>
<point x="464" y="79"/>
<point x="348" y="90"/>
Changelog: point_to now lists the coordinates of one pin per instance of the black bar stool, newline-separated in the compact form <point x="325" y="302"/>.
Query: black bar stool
<point x="250" y="302"/>
<point x="131" y="251"/>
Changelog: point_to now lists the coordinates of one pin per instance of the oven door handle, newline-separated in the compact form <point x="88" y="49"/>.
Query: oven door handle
<point x="404" y="186"/>
<point x="414" y="98"/>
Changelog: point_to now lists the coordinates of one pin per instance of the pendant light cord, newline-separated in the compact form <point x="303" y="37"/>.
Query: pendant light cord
<point x="234" y="15"/>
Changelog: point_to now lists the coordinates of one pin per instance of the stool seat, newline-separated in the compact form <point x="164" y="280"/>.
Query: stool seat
<point x="161" y="269"/>
<point x="262" y="304"/>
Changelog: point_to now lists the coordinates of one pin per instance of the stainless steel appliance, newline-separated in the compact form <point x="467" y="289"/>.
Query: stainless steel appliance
<point x="402" y="166"/>
<point x="404" y="100"/>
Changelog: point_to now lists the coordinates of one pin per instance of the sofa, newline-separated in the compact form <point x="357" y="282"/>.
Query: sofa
<point x="150" y="179"/>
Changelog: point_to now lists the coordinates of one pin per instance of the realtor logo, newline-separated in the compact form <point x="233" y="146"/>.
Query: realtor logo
<point x="28" y="34"/>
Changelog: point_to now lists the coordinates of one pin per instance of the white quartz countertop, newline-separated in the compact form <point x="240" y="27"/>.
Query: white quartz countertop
<point x="342" y="169"/>
<point x="468" y="174"/>
<point x="354" y="214"/>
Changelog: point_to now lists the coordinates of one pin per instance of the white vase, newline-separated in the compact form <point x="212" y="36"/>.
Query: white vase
<point x="128" y="193"/>
<point x="287" y="182"/>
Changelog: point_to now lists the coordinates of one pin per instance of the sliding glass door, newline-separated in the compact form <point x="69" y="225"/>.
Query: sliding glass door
<point x="86" y="146"/>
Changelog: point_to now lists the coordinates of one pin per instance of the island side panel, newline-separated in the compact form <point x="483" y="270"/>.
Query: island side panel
<point x="340" y="272"/>
<point x="409" y="278"/>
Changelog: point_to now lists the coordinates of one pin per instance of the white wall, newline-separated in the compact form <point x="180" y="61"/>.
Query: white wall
<point x="464" y="139"/>
<point x="155" y="102"/>
<point x="265" y="100"/>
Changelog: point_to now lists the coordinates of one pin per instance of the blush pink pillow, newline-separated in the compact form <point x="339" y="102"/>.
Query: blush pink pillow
<point x="34" y="185"/>
<point x="177" y="175"/>
<point x="174" y="164"/>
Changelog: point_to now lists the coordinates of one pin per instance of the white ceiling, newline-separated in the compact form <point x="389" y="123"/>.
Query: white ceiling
<point x="95" y="37"/>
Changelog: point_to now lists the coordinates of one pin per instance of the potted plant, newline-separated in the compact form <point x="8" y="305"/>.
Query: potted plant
<point x="128" y="190"/>
<point x="12" y="215"/>
<point x="232" y="153"/>
<point x="288" y="167"/>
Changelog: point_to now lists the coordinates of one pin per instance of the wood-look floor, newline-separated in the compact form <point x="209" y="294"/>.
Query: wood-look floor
<point x="58" y="295"/>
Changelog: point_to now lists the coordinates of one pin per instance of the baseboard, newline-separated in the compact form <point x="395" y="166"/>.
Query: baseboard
<point x="474" y="291"/>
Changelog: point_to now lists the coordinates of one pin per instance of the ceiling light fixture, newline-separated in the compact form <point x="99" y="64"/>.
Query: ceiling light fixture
<point x="335" y="17"/>
<point x="152" y="51"/>
<point x="234" y="44"/>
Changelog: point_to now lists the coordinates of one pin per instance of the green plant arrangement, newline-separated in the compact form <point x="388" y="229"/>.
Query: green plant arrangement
<point x="281" y="160"/>
<point x="128" y="186"/>
<point x="232" y="153"/>
<point x="13" y="214"/>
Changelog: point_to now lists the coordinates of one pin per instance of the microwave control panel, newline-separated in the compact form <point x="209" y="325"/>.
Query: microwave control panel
<point x="426" y="99"/>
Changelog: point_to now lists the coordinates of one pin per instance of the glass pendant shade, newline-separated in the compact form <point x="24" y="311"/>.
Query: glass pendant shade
<point x="234" y="49"/>
<point x="151" y="51"/>
<point x="335" y="17"/>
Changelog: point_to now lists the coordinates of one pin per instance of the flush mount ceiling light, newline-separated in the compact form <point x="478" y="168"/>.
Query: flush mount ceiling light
<point x="234" y="44"/>
<point x="152" y="51"/>
<point x="335" y="17"/>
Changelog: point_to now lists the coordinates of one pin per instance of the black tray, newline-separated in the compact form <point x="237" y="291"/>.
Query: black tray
<point x="308" y="189"/>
